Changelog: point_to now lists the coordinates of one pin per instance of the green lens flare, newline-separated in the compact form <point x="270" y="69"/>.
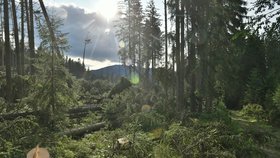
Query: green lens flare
<point x="134" y="78"/>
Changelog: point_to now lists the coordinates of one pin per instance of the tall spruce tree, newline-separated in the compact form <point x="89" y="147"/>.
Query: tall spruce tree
<point x="152" y="36"/>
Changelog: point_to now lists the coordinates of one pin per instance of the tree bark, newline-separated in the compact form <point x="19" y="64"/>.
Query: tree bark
<point x="180" y="88"/>
<point x="22" y="38"/>
<point x="182" y="59"/>
<point x="82" y="131"/>
<point x="165" y="30"/>
<point x="16" y="36"/>
<point x="192" y="62"/>
<point x="31" y="37"/>
<point x="7" y="52"/>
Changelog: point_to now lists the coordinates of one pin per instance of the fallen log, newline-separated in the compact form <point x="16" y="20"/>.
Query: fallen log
<point x="78" y="132"/>
<point x="12" y="116"/>
<point x="83" y="111"/>
<point x="73" y="113"/>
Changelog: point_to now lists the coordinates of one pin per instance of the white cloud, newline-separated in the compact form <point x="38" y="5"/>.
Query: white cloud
<point x="102" y="50"/>
<point x="95" y="64"/>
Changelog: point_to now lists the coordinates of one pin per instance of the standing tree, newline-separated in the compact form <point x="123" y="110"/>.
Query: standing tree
<point x="31" y="36"/>
<point x="22" y="47"/>
<point x="152" y="36"/>
<point x="129" y="31"/>
<point x="165" y="33"/>
<point x="7" y="52"/>
<point x="16" y="37"/>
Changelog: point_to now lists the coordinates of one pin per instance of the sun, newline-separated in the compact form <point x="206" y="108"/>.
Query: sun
<point x="107" y="8"/>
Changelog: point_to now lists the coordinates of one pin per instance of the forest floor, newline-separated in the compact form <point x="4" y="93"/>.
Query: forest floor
<point x="271" y="147"/>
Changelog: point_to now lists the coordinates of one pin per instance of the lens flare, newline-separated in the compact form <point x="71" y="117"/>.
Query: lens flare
<point x="121" y="44"/>
<point x="134" y="78"/>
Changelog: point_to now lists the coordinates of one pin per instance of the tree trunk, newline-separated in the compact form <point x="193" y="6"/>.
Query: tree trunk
<point x="173" y="68"/>
<point x="77" y="112"/>
<point x="28" y="25"/>
<point x="1" y="51"/>
<point x="7" y="52"/>
<point x="22" y="38"/>
<point x="165" y="31"/>
<point x="182" y="60"/>
<point x="180" y="88"/>
<point x="31" y="37"/>
<point x="54" y="46"/>
<point x="192" y="65"/>
<point x="78" y="132"/>
<point x="18" y="58"/>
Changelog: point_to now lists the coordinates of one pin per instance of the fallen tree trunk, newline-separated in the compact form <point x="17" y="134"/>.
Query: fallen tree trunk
<point x="83" y="111"/>
<point x="13" y="116"/>
<point x="73" y="113"/>
<point x="78" y="132"/>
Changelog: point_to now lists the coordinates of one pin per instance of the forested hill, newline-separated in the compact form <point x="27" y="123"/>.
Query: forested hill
<point x="115" y="71"/>
<point x="205" y="86"/>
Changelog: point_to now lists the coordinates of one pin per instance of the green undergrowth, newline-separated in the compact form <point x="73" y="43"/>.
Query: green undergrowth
<point x="219" y="133"/>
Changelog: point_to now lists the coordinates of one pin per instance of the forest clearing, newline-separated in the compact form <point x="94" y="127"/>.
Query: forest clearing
<point x="140" y="79"/>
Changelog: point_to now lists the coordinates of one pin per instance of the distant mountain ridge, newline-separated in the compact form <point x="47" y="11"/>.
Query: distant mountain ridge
<point x="111" y="72"/>
<point x="114" y="73"/>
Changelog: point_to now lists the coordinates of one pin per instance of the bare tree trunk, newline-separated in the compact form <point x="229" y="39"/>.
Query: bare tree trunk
<point x="22" y="38"/>
<point x="7" y="52"/>
<point x="192" y="63"/>
<point x="173" y="68"/>
<point x="165" y="30"/>
<point x="18" y="58"/>
<point x="182" y="60"/>
<point x="1" y="40"/>
<point x="180" y="88"/>
<point x="31" y="37"/>
<point x="28" y="23"/>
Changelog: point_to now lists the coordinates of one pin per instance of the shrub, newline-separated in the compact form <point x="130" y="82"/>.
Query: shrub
<point x="208" y="139"/>
<point x="149" y="120"/>
<point x="255" y="111"/>
<point x="274" y="114"/>
<point x="219" y="113"/>
<point x="18" y="135"/>
<point x="165" y="151"/>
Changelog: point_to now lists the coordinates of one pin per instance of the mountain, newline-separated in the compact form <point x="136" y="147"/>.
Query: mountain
<point x="111" y="72"/>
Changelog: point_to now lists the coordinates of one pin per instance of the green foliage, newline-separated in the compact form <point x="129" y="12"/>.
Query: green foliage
<point x="254" y="111"/>
<point x="255" y="88"/>
<point x="122" y="106"/>
<point x="219" y="113"/>
<point x="162" y="150"/>
<point x="274" y="114"/>
<point x="51" y="94"/>
<point x="93" y="91"/>
<point x="46" y="41"/>
<point x="149" y="120"/>
<point x="68" y="148"/>
<point x="18" y="135"/>
<point x="210" y="139"/>
<point x="276" y="98"/>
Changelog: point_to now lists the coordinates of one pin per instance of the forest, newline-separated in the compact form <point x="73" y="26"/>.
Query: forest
<point x="203" y="81"/>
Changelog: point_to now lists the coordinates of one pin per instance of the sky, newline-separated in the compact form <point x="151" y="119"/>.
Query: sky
<point x="88" y="19"/>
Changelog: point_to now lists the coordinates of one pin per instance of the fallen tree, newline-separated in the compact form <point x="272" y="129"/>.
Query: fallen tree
<point x="78" y="132"/>
<point x="73" y="113"/>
